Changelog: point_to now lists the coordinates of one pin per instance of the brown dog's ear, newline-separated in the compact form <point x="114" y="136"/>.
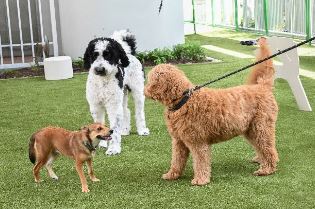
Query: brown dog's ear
<point x="84" y="128"/>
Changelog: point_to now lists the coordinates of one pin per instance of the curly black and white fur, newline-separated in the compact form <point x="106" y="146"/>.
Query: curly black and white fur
<point x="113" y="72"/>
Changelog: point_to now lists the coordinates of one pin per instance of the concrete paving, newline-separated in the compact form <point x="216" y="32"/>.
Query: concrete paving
<point x="232" y="53"/>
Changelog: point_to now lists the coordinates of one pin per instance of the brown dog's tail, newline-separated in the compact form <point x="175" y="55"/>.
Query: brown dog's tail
<point x="31" y="150"/>
<point x="262" y="73"/>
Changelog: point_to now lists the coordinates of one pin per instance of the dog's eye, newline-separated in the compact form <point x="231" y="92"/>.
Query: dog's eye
<point x="106" y="54"/>
<point x="99" y="128"/>
<point x="95" y="54"/>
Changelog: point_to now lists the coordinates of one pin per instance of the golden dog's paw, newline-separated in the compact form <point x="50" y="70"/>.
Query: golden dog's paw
<point x="95" y="179"/>
<point x="255" y="159"/>
<point x="170" y="176"/>
<point x="200" y="181"/>
<point x="264" y="172"/>
<point x="85" y="189"/>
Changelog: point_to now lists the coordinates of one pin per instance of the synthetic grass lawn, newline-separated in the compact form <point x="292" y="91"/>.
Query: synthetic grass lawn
<point x="133" y="179"/>
<point x="230" y="39"/>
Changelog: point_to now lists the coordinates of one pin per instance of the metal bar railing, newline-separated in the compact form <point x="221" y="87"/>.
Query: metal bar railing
<point x="31" y="26"/>
<point x="236" y="14"/>
<point x="266" y="17"/>
<point x="194" y="18"/>
<point x="54" y="26"/>
<point x="212" y="13"/>
<point x="24" y="44"/>
<point x="27" y="46"/>
<point x="41" y="24"/>
<point x="308" y="19"/>
<point x="1" y="56"/>
<point x="10" y="33"/>
<point x="20" y="28"/>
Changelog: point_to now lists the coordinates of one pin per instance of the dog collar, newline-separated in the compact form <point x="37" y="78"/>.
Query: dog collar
<point x="88" y="144"/>
<point x="186" y="95"/>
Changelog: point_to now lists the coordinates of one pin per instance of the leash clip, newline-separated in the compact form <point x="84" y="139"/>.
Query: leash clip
<point x="188" y="92"/>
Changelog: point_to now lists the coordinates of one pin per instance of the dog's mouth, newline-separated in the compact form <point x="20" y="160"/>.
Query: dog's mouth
<point x="106" y="138"/>
<point x="101" y="73"/>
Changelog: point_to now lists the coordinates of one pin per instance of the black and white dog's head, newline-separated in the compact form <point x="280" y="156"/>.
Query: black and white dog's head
<point x="104" y="55"/>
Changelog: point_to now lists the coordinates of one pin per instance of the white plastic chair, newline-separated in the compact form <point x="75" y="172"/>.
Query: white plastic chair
<point x="289" y="69"/>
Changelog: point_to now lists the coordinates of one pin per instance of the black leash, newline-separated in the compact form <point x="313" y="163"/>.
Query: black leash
<point x="187" y="93"/>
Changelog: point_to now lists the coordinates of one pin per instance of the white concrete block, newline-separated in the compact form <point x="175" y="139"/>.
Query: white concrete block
<point x="57" y="68"/>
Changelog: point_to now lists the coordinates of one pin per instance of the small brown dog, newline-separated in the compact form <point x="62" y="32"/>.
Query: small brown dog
<point x="47" y="143"/>
<point x="215" y="115"/>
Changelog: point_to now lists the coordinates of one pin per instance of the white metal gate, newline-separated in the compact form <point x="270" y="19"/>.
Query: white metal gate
<point x="24" y="27"/>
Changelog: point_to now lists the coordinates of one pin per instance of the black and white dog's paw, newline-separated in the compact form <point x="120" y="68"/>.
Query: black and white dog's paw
<point x="125" y="131"/>
<point x="113" y="149"/>
<point x="144" y="132"/>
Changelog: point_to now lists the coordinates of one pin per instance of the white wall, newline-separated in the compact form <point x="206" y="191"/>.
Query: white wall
<point x="82" y="20"/>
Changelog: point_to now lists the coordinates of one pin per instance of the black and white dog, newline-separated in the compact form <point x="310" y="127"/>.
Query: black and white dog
<point x="113" y="72"/>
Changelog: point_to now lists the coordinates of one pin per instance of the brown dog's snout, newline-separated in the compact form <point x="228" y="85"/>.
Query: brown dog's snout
<point x="111" y="131"/>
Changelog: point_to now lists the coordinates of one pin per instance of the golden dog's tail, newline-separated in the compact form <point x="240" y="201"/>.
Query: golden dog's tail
<point x="262" y="73"/>
<point x="31" y="150"/>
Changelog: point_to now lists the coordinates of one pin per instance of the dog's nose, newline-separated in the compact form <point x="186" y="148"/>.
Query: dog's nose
<point x="100" y="70"/>
<point x="111" y="131"/>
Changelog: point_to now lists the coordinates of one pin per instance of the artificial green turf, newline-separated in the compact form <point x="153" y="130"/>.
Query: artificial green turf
<point x="229" y="39"/>
<point x="132" y="179"/>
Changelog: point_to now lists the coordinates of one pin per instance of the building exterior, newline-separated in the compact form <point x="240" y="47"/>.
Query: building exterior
<point x="68" y="25"/>
<point x="101" y="18"/>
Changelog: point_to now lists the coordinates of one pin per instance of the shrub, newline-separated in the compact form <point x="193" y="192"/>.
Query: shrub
<point x="157" y="56"/>
<point x="189" y="53"/>
<point x="181" y="53"/>
<point x="78" y="63"/>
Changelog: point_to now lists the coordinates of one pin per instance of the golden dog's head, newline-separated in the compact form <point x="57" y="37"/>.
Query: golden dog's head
<point x="97" y="132"/>
<point x="166" y="84"/>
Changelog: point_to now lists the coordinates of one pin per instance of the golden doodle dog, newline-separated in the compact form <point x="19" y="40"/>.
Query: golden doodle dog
<point x="47" y="143"/>
<point x="216" y="115"/>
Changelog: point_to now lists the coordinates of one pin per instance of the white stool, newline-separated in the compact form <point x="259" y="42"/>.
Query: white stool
<point x="289" y="69"/>
<point x="57" y="68"/>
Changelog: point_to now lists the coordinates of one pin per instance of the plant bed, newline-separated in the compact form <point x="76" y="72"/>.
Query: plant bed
<point x="179" y="54"/>
<point x="30" y="72"/>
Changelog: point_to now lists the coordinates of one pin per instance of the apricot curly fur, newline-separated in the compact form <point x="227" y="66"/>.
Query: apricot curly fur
<point x="216" y="115"/>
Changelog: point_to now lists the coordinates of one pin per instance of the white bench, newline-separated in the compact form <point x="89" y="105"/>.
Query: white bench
<point x="289" y="69"/>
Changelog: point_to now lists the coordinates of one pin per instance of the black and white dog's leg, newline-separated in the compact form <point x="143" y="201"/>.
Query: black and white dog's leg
<point x="98" y="115"/>
<point x="139" y="98"/>
<point x="125" y="130"/>
<point x="115" y="116"/>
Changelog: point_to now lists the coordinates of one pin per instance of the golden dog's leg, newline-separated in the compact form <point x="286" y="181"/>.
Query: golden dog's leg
<point x="201" y="163"/>
<point x="264" y="144"/>
<point x="255" y="159"/>
<point x="269" y="158"/>
<point x="179" y="158"/>
<point x="79" y="168"/>
<point x="91" y="171"/>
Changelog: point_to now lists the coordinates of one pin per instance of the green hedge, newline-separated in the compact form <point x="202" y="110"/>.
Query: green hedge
<point x="181" y="53"/>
